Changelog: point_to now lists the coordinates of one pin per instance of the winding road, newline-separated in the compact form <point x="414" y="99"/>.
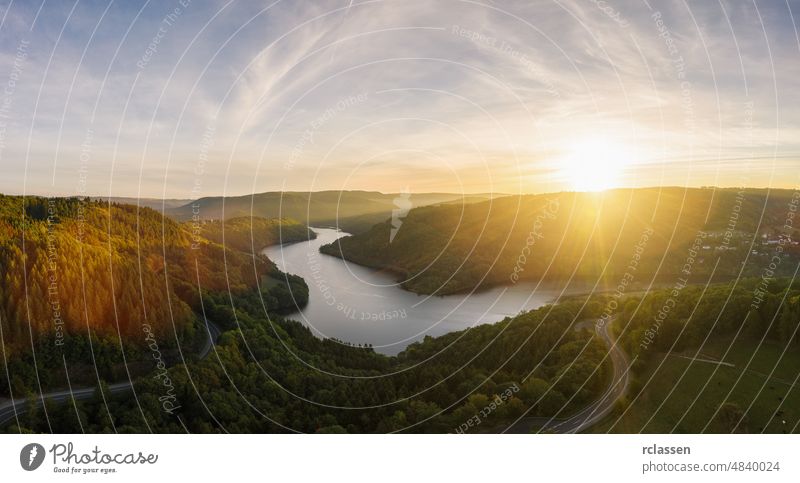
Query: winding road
<point x="596" y="411"/>
<point x="9" y="409"/>
<point x="587" y="417"/>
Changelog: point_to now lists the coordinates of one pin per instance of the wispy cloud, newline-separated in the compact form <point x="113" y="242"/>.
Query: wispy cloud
<point x="387" y="94"/>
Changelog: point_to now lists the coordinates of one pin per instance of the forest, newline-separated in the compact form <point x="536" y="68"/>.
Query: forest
<point x="723" y="358"/>
<point x="448" y="249"/>
<point x="352" y="211"/>
<point x="267" y="373"/>
<point x="273" y="375"/>
<point x="251" y="234"/>
<point x="81" y="277"/>
<point x="677" y="320"/>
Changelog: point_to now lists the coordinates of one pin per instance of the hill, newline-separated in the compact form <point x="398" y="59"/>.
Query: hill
<point x="276" y="376"/>
<point x="154" y="203"/>
<point x="725" y="359"/>
<point x="352" y="211"/>
<point x="252" y="234"/>
<point x="641" y="232"/>
<point x="74" y="267"/>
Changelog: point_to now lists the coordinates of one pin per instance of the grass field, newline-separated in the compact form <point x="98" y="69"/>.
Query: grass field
<point x="769" y="404"/>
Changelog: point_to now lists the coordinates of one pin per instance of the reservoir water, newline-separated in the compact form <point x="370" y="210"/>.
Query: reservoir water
<point x="361" y="305"/>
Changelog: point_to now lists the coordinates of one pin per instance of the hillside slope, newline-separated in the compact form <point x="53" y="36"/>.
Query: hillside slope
<point x="252" y="234"/>
<point x="352" y="211"/>
<point x="447" y="249"/>
<point x="86" y="268"/>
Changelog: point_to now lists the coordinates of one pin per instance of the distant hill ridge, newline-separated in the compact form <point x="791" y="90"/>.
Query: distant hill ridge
<point x="352" y="211"/>
<point x="78" y="267"/>
<point x="442" y="249"/>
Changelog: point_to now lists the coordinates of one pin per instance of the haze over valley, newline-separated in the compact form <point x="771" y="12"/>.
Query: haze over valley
<point x="399" y="216"/>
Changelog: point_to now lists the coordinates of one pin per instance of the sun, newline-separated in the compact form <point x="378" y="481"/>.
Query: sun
<point x="595" y="164"/>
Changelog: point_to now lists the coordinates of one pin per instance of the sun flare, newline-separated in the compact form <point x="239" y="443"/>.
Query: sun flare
<point x="595" y="164"/>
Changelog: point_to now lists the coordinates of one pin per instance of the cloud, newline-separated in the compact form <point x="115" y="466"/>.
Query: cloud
<point x="450" y="91"/>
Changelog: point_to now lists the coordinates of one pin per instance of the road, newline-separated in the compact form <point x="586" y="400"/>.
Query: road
<point x="596" y="411"/>
<point x="10" y="408"/>
<point x="581" y="421"/>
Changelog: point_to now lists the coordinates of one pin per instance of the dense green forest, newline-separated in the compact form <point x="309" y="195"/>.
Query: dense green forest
<point x="251" y="234"/>
<point x="447" y="249"/>
<point x="266" y="373"/>
<point x="720" y="358"/>
<point x="351" y="211"/>
<point x="273" y="375"/>
<point x="678" y="320"/>
<point x="81" y="275"/>
<point x="270" y="374"/>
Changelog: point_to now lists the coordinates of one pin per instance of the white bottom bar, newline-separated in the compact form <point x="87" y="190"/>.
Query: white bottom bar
<point x="404" y="458"/>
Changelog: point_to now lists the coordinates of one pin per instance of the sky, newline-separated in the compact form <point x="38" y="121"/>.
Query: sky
<point x="185" y="99"/>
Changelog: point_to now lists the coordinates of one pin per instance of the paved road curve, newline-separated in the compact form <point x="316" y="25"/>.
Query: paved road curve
<point x="10" y="408"/>
<point x="576" y="423"/>
<point x="596" y="411"/>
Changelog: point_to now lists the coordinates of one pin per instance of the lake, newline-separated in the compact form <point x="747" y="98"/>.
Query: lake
<point x="361" y="305"/>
